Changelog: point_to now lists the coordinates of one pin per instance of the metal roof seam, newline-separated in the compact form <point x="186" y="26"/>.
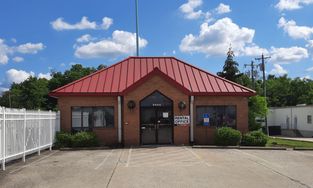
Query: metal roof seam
<point x="112" y="79"/>
<point x="203" y="83"/>
<point x="97" y="83"/>
<point x="188" y="78"/>
<point x="213" y="74"/>
<point x="104" y="81"/>
<point x="194" y="76"/>
<point x="119" y="79"/>
<point x="96" y="72"/>
<point x="210" y="83"/>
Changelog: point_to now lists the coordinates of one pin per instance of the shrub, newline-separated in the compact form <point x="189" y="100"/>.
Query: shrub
<point x="63" y="139"/>
<point x="254" y="138"/>
<point x="227" y="136"/>
<point x="84" y="139"/>
<point x="79" y="139"/>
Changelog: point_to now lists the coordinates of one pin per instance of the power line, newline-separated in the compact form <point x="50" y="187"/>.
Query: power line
<point x="253" y="72"/>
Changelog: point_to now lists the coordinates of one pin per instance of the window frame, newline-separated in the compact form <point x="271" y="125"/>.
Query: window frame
<point x="201" y="125"/>
<point x="309" y="117"/>
<point x="91" y="121"/>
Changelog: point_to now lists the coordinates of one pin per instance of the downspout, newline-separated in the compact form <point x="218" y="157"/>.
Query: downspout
<point x="119" y="119"/>
<point x="191" y="119"/>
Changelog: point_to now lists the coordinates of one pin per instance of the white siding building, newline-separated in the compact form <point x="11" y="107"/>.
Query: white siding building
<point x="294" y="120"/>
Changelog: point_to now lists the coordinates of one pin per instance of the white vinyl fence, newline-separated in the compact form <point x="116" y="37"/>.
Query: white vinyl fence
<point x="23" y="132"/>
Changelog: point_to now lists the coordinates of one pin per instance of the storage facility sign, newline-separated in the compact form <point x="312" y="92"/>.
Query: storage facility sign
<point x="181" y="120"/>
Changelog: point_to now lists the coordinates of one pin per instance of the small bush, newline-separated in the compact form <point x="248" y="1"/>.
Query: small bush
<point x="79" y="139"/>
<point x="227" y="136"/>
<point x="63" y="139"/>
<point x="254" y="138"/>
<point x="84" y="139"/>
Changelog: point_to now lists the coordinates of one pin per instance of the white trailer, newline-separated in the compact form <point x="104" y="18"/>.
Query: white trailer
<point x="293" y="120"/>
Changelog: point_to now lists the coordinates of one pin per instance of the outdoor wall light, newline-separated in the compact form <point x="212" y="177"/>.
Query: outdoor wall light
<point x="182" y="105"/>
<point x="131" y="104"/>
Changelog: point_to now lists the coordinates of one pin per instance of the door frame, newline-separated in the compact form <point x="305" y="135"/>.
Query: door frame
<point x="172" y="119"/>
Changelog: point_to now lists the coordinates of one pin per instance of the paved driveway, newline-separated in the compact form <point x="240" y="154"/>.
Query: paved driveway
<point x="163" y="167"/>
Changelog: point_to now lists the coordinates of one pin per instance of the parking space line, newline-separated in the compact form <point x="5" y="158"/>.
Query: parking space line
<point x="129" y="156"/>
<point x="257" y="157"/>
<point x="103" y="161"/>
<point x="38" y="160"/>
<point x="197" y="156"/>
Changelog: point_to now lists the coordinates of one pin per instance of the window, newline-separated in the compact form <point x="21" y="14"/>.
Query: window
<point x="86" y="118"/>
<point x="309" y="119"/>
<point x="216" y="116"/>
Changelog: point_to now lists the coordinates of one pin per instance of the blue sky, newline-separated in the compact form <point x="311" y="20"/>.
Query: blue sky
<point x="38" y="36"/>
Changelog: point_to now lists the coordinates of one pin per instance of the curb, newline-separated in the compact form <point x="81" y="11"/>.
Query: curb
<point x="83" y="148"/>
<point x="240" y="147"/>
<point x="303" y="149"/>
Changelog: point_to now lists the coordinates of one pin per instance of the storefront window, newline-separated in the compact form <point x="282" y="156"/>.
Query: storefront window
<point x="217" y="116"/>
<point x="86" y="118"/>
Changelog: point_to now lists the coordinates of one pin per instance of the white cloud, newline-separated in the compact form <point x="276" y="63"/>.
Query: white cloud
<point x="309" y="44"/>
<point x="106" y="23"/>
<point x="18" y="76"/>
<point x="222" y="9"/>
<point x="59" y="24"/>
<point x="278" y="70"/>
<point x="292" y="4"/>
<point x="306" y="77"/>
<point x="121" y="43"/>
<point x="215" y="39"/>
<point x="18" y="59"/>
<point x="188" y="9"/>
<point x="254" y="50"/>
<point x="30" y="48"/>
<point x="5" y="50"/>
<point x="295" y="31"/>
<point x="85" y="38"/>
<point x="45" y="75"/>
<point x="288" y="55"/>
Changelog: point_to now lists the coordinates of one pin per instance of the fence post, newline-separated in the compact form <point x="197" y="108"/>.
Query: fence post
<point x="24" y="135"/>
<point x="3" y="159"/>
<point x="39" y="125"/>
<point x="51" y="139"/>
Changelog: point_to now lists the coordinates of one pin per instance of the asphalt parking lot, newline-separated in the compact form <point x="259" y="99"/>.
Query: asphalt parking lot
<point x="163" y="167"/>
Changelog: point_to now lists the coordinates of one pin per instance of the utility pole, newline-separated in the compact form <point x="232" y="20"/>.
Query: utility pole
<point x="137" y="29"/>
<point x="262" y="67"/>
<point x="252" y="65"/>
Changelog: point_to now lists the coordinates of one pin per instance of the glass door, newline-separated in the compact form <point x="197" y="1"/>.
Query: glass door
<point x="156" y="119"/>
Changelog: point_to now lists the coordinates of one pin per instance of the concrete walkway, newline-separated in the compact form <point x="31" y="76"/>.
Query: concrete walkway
<point x="296" y="138"/>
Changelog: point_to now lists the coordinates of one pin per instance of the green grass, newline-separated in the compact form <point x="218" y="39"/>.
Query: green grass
<point x="288" y="143"/>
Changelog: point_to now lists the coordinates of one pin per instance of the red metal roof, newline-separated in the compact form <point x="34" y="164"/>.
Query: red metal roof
<point x="127" y="74"/>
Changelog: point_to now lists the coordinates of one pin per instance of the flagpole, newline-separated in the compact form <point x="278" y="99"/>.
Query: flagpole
<point x="137" y="30"/>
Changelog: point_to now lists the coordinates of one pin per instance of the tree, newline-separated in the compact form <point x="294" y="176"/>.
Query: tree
<point x="33" y="92"/>
<point x="230" y="68"/>
<point x="257" y="109"/>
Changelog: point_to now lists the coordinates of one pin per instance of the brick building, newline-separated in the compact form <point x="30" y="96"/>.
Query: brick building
<point x="153" y="100"/>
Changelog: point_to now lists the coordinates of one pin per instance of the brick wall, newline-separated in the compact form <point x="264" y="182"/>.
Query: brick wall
<point x="205" y="135"/>
<point x="131" y="127"/>
<point x="107" y="136"/>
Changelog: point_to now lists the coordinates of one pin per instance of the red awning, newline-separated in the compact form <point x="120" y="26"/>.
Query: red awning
<point x="125" y="75"/>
